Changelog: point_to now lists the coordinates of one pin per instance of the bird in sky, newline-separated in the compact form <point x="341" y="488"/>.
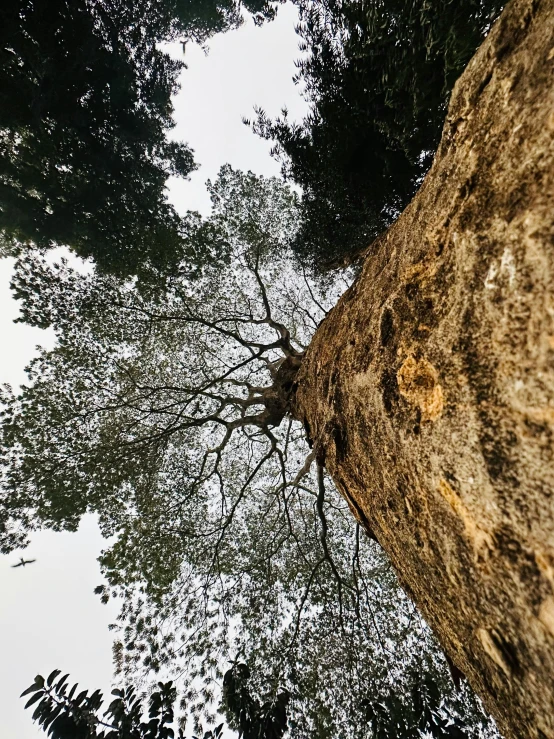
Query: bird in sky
<point x="24" y="562"/>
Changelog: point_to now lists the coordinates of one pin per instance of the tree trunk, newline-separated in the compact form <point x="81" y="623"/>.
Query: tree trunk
<point x="428" y="391"/>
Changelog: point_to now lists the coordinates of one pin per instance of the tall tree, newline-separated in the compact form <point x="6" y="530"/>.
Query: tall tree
<point x="378" y="77"/>
<point x="429" y="388"/>
<point x="427" y="392"/>
<point x="85" y="117"/>
<point x="166" y="414"/>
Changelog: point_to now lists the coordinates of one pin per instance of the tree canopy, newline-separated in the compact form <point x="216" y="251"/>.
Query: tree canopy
<point x="86" y="115"/>
<point x="85" y="121"/>
<point x="167" y="412"/>
<point x="378" y="77"/>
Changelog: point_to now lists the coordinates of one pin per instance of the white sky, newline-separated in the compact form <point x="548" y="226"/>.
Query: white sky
<point x="49" y="616"/>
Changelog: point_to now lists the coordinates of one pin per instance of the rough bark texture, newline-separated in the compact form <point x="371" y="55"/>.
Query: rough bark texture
<point x="429" y="389"/>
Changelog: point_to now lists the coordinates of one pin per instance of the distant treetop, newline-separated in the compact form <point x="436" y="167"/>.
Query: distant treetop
<point x="200" y="19"/>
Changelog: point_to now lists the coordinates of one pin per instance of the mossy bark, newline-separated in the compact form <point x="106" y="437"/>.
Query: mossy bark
<point x="428" y="391"/>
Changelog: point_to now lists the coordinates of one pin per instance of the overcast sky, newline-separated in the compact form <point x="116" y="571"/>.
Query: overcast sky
<point x="49" y="616"/>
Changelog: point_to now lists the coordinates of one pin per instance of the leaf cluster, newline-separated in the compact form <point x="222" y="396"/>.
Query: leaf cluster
<point x="252" y="719"/>
<point x="72" y="714"/>
<point x="198" y="20"/>
<point x="419" y="713"/>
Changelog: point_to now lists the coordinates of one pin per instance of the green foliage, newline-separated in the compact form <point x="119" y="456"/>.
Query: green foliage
<point x="200" y="19"/>
<point x="77" y="715"/>
<point x="252" y="719"/>
<point x="85" y="116"/>
<point x="413" y="715"/>
<point x="378" y="76"/>
<point x="85" y="109"/>
<point x="165" y="412"/>
<point x="74" y="714"/>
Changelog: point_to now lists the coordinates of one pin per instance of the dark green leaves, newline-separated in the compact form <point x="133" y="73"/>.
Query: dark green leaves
<point x="378" y="76"/>
<point x="246" y="713"/>
<point x="65" y="717"/>
<point x="419" y="712"/>
<point x="53" y="675"/>
<point x="85" y="113"/>
<point x="34" y="698"/>
<point x="37" y="685"/>
<point x="85" y="108"/>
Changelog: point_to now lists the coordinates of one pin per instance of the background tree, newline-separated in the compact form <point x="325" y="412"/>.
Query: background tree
<point x="85" y="117"/>
<point x="378" y="78"/>
<point x="420" y="422"/>
<point x="428" y="389"/>
<point x="168" y="413"/>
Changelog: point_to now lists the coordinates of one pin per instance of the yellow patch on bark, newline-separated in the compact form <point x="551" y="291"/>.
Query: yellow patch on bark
<point x="423" y="270"/>
<point x="493" y="651"/>
<point x="546" y="614"/>
<point x="418" y="382"/>
<point x="545" y="563"/>
<point x="481" y="539"/>
<point x="540" y="415"/>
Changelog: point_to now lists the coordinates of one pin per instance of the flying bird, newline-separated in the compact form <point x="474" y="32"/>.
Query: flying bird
<point x="24" y="562"/>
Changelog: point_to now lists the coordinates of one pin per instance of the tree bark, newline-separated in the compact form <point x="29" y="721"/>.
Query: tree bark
<point x="428" y="391"/>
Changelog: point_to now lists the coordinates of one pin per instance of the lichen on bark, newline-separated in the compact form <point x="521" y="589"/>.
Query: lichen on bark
<point x="429" y="389"/>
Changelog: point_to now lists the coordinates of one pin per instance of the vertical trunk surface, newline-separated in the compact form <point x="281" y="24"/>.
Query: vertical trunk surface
<point x="429" y="389"/>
